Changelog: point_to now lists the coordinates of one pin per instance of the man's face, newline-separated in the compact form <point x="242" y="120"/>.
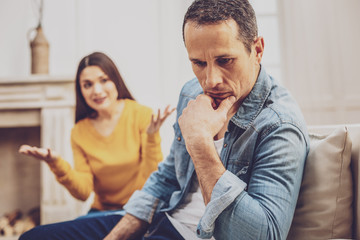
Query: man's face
<point x="220" y="60"/>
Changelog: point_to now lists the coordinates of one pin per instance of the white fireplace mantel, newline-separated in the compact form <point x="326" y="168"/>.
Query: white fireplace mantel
<point x="48" y="102"/>
<point x="26" y="95"/>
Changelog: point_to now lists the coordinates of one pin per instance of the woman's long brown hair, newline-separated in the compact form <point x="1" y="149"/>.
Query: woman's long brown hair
<point x="82" y="109"/>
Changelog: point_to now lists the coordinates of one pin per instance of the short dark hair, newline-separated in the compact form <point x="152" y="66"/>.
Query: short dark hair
<point x="82" y="109"/>
<point x="213" y="11"/>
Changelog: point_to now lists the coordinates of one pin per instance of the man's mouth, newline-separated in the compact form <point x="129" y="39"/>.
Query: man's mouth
<point x="216" y="102"/>
<point x="217" y="98"/>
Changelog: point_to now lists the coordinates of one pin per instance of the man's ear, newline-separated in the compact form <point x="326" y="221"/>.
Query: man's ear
<point x="259" y="48"/>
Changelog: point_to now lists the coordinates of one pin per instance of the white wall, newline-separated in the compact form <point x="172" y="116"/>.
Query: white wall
<point x="320" y="43"/>
<point x="268" y="25"/>
<point x="143" y="37"/>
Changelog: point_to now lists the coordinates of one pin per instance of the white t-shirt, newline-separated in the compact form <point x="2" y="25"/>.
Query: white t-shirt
<point x="187" y="216"/>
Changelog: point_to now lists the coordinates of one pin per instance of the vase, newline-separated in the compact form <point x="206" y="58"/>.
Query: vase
<point x="39" y="53"/>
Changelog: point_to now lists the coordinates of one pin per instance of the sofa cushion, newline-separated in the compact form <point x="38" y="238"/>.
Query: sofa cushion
<point x="325" y="206"/>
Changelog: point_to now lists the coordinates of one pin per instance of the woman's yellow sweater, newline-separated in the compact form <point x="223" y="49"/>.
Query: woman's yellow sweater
<point x="114" y="166"/>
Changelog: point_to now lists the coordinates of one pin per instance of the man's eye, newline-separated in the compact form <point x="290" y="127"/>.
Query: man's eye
<point x="200" y="63"/>
<point x="224" y="61"/>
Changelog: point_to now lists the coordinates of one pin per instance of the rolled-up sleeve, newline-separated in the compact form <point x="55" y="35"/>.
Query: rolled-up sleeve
<point x="227" y="188"/>
<point x="265" y="209"/>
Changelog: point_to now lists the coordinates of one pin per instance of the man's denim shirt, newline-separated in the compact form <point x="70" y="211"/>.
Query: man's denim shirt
<point x="264" y="153"/>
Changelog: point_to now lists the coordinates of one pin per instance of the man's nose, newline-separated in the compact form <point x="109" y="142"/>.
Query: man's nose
<point x="213" y="76"/>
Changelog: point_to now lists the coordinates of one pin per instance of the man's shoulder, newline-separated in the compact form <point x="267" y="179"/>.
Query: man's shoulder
<point x="191" y="89"/>
<point x="280" y="109"/>
<point x="285" y="106"/>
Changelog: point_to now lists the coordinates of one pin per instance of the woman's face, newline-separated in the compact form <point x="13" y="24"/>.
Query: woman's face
<point x="98" y="90"/>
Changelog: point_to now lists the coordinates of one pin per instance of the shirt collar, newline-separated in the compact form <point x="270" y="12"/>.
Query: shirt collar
<point x="253" y="103"/>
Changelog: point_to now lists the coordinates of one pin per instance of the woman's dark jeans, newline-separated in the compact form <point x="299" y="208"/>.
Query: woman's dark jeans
<point x="98" y="227"/>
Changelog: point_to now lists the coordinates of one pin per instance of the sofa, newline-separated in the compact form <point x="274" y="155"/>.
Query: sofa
<point x="328" y="206"/>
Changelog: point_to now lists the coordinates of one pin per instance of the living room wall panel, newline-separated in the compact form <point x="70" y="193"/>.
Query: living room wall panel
<point x="320" y="53"/>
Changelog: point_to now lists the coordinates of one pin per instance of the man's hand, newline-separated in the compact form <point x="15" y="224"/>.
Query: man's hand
<point x="199" y="123"/>
<point x="199" y="120"/>
<point x="128" y="227"/>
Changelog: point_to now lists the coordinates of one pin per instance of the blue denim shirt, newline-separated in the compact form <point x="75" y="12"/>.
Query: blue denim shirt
<point x="264" y="152"/>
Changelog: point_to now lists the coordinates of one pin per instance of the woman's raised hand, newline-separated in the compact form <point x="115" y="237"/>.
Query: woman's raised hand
<point x="40" y="153"/>
<point x="157" y="121"/>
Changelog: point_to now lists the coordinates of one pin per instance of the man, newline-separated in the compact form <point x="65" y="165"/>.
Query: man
<point x="250" y="188"/>
<point x="236" y="163"/>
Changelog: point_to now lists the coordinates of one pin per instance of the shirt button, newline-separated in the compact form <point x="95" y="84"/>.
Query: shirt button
<point x="179" y="139"/>
<point x="225" y="145"/>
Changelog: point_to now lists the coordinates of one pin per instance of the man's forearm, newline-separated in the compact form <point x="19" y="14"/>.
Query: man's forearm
<point x="199" y="124"/>
<point x="208" y="167"/>
<point x="128" y="227"/>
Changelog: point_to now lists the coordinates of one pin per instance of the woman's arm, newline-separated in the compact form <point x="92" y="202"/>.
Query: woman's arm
<point x="151" y="143"/>
<point x="78" y="181"/>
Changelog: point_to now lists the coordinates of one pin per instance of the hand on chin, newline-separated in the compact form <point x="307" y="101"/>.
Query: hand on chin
<point x="215" y="102"/>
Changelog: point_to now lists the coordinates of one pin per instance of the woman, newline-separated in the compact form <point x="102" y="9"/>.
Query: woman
<point x="115" y="141"/>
